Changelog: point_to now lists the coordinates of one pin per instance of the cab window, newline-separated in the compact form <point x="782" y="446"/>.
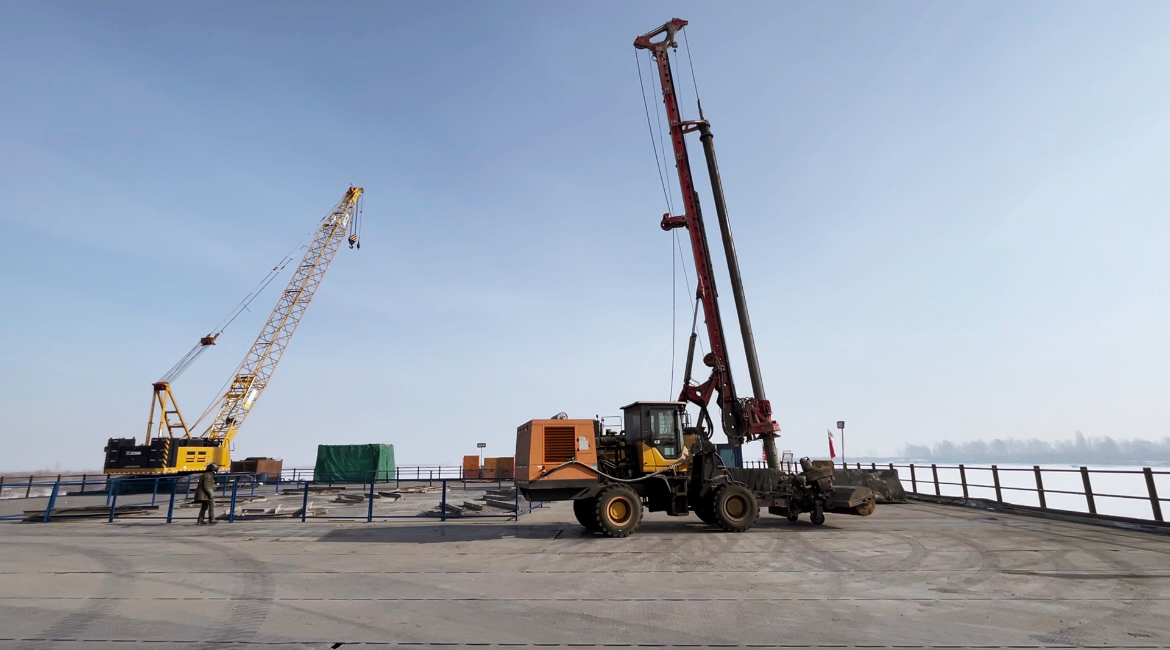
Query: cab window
<point x="633" y="426"/>
<point x="663" y="434"/>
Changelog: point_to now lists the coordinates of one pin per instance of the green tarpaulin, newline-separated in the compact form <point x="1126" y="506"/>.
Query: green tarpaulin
<point x="354" y="463"/>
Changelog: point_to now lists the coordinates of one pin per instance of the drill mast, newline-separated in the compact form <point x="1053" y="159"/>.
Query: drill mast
<point x="743" y="418"/>
<point x="251" y="378"/>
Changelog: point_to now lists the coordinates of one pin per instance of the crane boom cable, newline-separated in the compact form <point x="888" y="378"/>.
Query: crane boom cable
<point x="663" y="179"/>
<point x="240" y="309"/>
<point x="673" y="318"/>
<point x="658" y="162"/>
<point x="687" y="279"/>
<point x="251" y="377"/>
<point x="677" y="90"/>
<point x="691" y="64"/>
<point x="694" y="300"/>
<point x="658" y="110"/>
<point x="184" y="363"/>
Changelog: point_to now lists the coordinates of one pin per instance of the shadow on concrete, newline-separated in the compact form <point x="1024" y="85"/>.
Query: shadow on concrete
<point x="481" y="531"/>
<point x="440" y="533"/>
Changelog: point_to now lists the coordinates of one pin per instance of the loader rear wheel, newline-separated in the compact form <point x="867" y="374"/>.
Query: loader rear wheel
<point x="793" y="516"/>
<point x="585" y="511"/>
<point x="618" y="511"/>
<point x="736" y="508"/>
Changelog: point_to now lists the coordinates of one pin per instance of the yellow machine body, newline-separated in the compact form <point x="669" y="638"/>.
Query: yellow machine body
<point x="169" y="446"/>
<point x="566" y="456"/>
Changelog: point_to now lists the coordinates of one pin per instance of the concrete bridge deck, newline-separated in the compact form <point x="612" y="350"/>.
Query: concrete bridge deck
<point x="918" y="575"/>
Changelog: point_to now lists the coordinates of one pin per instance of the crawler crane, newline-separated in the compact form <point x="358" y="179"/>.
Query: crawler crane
<point x="169" y="446"/>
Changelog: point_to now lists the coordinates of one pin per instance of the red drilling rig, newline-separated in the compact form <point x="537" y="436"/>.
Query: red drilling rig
<point x="658" y="461"/>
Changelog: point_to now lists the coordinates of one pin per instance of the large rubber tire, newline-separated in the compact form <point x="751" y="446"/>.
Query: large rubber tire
<point x="817" y="516"/>
<point x="736" y="508"/>
<point x="585" y="510"/>
<point x="793" y="516"/>
<point x="618" y="511"/>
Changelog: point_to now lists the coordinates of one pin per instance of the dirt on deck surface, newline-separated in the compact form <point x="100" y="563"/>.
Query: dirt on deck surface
<point x="917" y="575"/>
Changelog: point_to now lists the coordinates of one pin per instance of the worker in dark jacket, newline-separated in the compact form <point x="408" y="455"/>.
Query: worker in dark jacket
<point x="205" y="494"/>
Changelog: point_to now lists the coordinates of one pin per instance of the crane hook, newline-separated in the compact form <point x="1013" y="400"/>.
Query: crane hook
<point x="353" y="240"/>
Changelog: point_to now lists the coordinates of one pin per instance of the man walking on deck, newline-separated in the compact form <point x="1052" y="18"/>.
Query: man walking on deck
<point x="205" y="495"/>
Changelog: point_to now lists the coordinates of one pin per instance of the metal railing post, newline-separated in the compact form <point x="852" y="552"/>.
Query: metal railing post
<point x="114" y="502"/>
<point x="171" y="505"/>
<point x="443" y="504"/>
<point x="873" y="467"/>
<point x="995" y="480"/>
<point x="305" y="503"/>
<point x="232" y="507"/>
<point x="516" y="508"/>
<point x="154" y="495"/>
<point x="934" y="471"/>
<point x="1" y="484"/>
<point x="370" y="510"/>
<point x="1155" y="505"/>
<point x="52" y="502"/>
<point x="913" y="480"/>
<point x="963" y="480"/>
<point x="83" y="478"/>
<point x="1040" y="487"/>
<point x="29" y="490"/>
<point x="1088" y="491"/>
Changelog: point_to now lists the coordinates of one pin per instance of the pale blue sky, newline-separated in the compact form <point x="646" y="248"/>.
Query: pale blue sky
<point x="951" y="217"/>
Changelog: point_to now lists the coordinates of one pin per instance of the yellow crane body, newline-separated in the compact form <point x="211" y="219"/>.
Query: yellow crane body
<point x="169" y="446"/>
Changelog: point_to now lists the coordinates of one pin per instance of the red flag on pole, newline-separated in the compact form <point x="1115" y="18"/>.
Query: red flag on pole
<point x="832" y="450"/>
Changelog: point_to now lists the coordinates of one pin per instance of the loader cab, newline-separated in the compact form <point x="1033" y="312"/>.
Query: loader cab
<point x="656" y="428"/>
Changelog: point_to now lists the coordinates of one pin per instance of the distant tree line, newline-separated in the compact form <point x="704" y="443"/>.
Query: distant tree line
<point x="1079" y="450"/>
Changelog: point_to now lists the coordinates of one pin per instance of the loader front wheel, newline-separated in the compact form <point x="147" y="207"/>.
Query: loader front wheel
<point x="736" y="508"/>
<point x="618" y="511"/>
<point x="585" y="511"/>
